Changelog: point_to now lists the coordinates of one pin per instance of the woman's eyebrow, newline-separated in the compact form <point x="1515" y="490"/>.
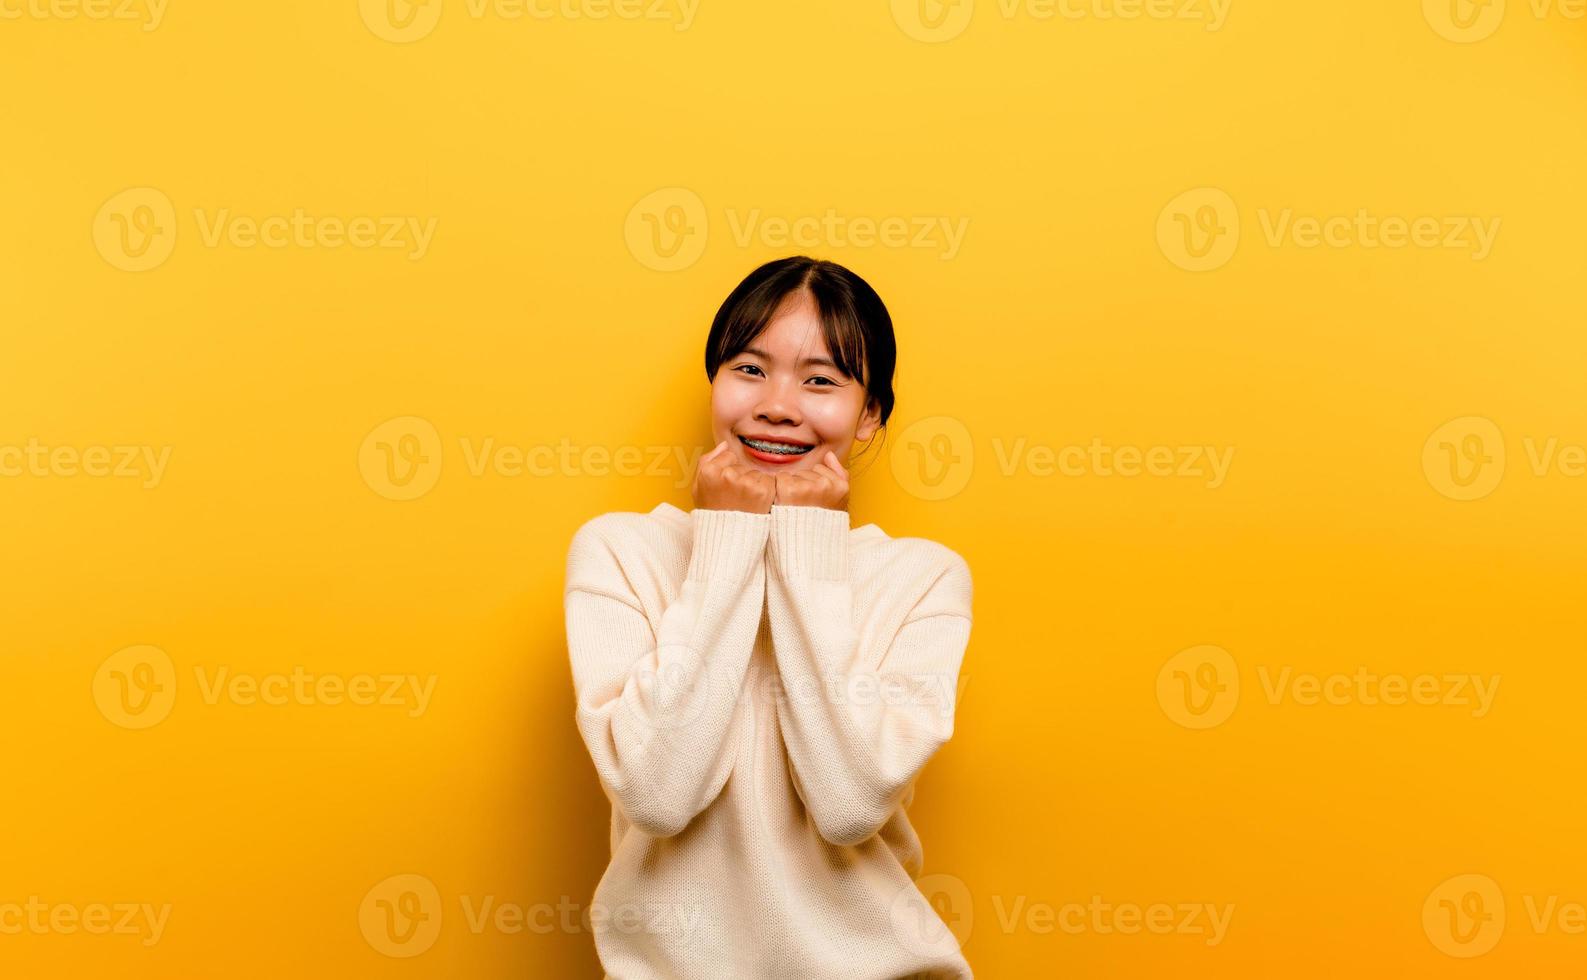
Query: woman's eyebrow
<point x="804" y="363"/>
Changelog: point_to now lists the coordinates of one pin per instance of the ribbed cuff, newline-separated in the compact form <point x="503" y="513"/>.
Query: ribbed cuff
<point x="810" y="542"/>
<point x="726" y="541"/>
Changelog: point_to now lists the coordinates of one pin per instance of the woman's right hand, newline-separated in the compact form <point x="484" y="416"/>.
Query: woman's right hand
<point x="722" y="484"/>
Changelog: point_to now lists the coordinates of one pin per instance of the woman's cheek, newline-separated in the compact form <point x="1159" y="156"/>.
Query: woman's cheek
<point x="830" y="425"/>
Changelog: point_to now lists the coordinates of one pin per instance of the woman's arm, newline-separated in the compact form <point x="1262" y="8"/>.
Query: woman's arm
<point x="655" y="708"/>
<point x="857" y="739"/>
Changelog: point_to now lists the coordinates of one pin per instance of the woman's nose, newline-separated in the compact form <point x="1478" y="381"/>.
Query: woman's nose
<point x="778" y="405"/>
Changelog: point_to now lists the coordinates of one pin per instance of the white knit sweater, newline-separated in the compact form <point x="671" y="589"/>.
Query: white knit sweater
<point x="758" y="693"/>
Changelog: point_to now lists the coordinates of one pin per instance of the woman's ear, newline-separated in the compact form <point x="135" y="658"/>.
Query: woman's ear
<point x="870" y="420"/>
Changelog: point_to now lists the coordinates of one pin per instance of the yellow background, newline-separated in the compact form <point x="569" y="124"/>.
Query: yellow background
<point x="272" y="540"/>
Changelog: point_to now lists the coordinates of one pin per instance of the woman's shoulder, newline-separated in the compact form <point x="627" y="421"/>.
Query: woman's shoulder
<point x="917" y="556"/>
<point x="631" y="554"/>
<point x="625" y="529"/>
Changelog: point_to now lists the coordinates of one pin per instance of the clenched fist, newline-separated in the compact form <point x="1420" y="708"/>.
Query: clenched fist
<point x="722" y="484"/>
<point x="824" y="485"/>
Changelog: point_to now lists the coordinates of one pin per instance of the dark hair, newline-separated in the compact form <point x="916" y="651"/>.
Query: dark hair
<point x="854" y="321"/>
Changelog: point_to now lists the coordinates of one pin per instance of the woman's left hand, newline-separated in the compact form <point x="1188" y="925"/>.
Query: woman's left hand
<point x="824" y="485"/>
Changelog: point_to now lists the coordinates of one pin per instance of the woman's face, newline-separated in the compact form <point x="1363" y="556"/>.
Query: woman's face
<point x="785" y="396"/>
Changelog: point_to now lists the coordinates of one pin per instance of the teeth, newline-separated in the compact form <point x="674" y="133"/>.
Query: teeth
<point x="781" y="449"/>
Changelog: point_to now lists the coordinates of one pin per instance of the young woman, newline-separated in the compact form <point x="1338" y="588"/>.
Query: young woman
<point x="758" y="683"/>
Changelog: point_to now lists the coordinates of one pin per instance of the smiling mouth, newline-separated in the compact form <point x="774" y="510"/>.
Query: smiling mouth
<point x="775" y="448"/>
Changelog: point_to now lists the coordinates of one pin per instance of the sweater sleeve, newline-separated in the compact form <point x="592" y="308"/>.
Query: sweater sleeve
<point x="656" y="706"/>
<point x="856" y="739"/>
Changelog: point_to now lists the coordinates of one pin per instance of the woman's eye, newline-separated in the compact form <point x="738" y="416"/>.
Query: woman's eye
<point x="747" y="367"/>
<point x="823" y="378"/>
